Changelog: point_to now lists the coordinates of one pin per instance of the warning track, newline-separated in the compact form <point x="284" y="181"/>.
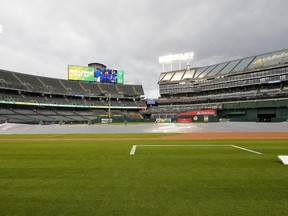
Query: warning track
<point x="184" y="136"/>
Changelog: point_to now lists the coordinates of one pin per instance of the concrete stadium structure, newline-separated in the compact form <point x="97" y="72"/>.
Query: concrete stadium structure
<point x="253" y="89"/>
<point x="42" y="100"/>
<point x="250" y="89"/>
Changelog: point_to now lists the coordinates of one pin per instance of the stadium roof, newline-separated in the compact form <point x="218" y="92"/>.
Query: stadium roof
<point x="245" y="65"/>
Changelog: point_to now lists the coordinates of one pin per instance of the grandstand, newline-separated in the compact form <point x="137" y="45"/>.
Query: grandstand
<point x="33" y="99"/>
<point x="249" y="89"/>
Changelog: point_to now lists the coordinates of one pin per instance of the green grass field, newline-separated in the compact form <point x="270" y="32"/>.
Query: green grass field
<point x="100" y="177"/>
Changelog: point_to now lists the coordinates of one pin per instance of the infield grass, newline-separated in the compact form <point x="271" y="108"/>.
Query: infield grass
<point x="99" y="177"/>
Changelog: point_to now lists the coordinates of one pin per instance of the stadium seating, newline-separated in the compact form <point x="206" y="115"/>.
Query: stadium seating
<point x="127" y="89"/>
<point x="108" y="88"/>
<point x="91" y="88"/>
<point x="30" y="81"/>
<point x="34" y="99"/>
<point x="73" y="87"/>
<point x="9" y="78"/>
<point x="257" y="84"/>
<point x="53" y="85"/>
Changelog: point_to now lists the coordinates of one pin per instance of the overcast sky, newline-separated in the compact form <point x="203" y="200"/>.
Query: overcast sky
<point x="44" y="36"/>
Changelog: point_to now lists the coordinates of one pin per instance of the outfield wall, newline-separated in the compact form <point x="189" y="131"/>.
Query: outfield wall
<point x="255" y="111"/>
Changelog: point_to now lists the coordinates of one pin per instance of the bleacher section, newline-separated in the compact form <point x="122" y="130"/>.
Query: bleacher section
<point x="53" y="85"/>
<point x="127" y="89"/>
<point x="31" y="82"/>
<point x="92" y="88"/>
<point x="73" y="87"/>
<point x="108" y="88"/>
<point x="139" y="89"/>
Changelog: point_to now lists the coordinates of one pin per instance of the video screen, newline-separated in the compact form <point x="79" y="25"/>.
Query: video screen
<point x="80" y="73"/>
<point x="95" y="75"/>
<point x="109" y="76"/>
<point x="151" y="102"/>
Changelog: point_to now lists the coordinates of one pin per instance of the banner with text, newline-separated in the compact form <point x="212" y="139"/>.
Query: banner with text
<point x="199" y="112"/>
<point x="80" y="73"/>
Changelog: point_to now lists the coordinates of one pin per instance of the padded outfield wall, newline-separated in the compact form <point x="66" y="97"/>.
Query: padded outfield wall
<point x="255" y="111"/>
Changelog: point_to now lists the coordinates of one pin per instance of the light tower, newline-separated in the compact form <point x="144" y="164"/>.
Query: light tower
<point x="176" y="57"/>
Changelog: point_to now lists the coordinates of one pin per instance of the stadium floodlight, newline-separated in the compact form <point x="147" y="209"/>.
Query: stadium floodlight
<point x="176" y="57"/>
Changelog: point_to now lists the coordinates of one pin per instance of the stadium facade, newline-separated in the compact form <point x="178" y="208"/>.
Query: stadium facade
<point x="254" y="89"/>
<point x="35" y="99"/>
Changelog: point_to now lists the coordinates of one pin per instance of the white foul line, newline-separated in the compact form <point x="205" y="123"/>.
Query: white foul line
<point x="245" y="149"/>
<point x="132" y="152"/>
<point x="133" y="149"/>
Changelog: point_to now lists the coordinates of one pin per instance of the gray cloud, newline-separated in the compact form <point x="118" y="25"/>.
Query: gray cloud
<point x="43" y="37"/>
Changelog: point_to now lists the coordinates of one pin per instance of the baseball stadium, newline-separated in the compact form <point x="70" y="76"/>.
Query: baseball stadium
<point x="252" y="89"/>
<point x="214" y="143"/>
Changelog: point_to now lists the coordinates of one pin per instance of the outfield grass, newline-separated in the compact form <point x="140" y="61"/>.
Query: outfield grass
<point x="95" y="177"/>
<point x="69" y="136"/>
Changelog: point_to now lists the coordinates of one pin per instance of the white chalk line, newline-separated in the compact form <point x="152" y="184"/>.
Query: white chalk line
<point x="245" y="149"/>
<point x="133" y="150"/>
<point x="134" y="147"/>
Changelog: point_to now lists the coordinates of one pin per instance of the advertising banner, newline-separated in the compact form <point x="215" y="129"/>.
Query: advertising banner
<point x="184" y="120"/>
<point x="80" y="73"/>
<point x="199" y="112"/>
<point x="151" y="102"/>
<point x="163" y="120"/>
<point x="120" y="77"/>
<point x="106" y="121"/>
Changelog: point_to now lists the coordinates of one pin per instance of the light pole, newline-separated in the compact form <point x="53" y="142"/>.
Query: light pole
<point x="109" y="108"/>
<point x="176" y="57"/>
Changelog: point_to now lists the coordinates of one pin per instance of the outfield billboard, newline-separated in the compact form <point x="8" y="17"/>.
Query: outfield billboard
<point x="199" y="112"/>
<point x="184" y="120"/>
<point x="80" y="73"/>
